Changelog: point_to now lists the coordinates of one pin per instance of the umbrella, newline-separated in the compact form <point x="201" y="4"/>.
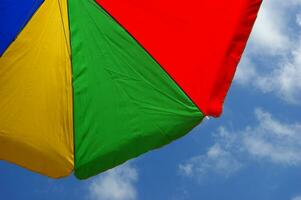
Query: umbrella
<point x="86" y="85"/>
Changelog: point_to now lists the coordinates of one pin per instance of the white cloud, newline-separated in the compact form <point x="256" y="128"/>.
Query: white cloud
<point x="298" y="19"/>
<point x="246" y="72"/>
<point x="270" y="33"/>
<point x="273" y="140"/>
<point x="297" y="198"/>
<point x="270" y="140"/>
<point x="272" y="40"/>
<point x="216" y="161"/>
<point x="116" y="184"/>
<point x="283" y="80"/>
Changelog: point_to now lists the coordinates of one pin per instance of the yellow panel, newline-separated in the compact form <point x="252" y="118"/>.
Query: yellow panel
<point x="36" y="129"/>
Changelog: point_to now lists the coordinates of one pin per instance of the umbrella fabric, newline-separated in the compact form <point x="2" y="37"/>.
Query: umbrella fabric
<point x="124" y="103"/>
<point x="36" y="129"/>
<point x="14" y="15"/>
<point x="88" y="85"/>
<point x="198" y="42"/>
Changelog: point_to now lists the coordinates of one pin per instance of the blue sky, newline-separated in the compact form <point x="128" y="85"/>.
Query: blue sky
<point x="252" y="152"/>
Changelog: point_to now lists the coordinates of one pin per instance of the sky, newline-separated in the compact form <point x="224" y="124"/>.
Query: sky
<point x="252" y="152"/>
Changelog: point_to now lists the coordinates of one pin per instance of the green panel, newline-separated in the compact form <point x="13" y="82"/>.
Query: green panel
<point x="124" y="102"/>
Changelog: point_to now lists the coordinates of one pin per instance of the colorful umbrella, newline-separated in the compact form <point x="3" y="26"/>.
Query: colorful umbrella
<point x="86" y="85"/>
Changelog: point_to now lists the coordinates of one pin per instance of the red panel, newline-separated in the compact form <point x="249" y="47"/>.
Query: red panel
<point x="198" y="42"/>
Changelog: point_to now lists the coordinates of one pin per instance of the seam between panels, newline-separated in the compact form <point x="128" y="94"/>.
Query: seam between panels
<point x="72" y="86"/>
<point x="69" y="76"/>
<point x="149" y="54"/>
<point x="63" y="24"/>
<point x="31" y="13"/>
<point x="29" y="16"/>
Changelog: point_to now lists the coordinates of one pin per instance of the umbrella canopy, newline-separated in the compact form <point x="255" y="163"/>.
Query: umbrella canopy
<point x="87" y="85"/>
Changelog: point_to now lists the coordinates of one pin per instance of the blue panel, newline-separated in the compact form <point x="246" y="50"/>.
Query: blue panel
<point x="14" y="14"/>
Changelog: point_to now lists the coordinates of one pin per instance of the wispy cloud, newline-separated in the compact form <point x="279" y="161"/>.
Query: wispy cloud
<point x="273" y="140"/>
<point x="272" y="39"/>
<point x="270" y="140"/>
<point x="216" y="161"/>
<point x="246" y="73"/>
<point x="116" y="184"/>
<point x="270" y="34"/>
<point x="297" y="198"/>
